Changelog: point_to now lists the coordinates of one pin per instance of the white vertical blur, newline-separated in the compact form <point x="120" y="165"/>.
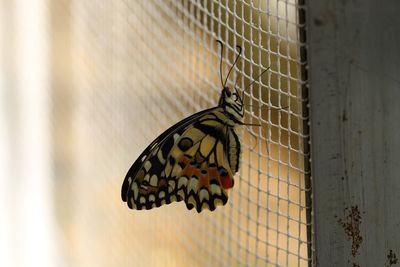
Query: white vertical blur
<point x="31" y="218"/>
<point x="5" y="230"/>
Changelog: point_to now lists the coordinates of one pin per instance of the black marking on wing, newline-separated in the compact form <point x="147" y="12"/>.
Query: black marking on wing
<point x="218" y="133"/>
<point x="199" y="204"/>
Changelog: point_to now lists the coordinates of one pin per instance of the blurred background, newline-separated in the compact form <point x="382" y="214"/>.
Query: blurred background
<point x="85" y="86"/>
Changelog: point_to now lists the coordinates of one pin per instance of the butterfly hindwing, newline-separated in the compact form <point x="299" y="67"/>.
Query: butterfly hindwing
<point x="198" y="170"/>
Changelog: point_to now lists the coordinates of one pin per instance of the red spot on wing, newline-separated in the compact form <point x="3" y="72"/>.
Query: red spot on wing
<point x="226" y="182"/>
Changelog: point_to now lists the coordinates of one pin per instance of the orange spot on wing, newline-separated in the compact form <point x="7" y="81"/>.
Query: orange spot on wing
<point x="213" y="173"/>
<point x="151" y="189"/>
<point x="204" y="181"/>
<point x="183" y="159"/>
<point x="188" y="171"/>
<point x="197" y="173"/>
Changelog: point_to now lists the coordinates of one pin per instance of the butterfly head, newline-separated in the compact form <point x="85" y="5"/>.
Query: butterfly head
<point x="232" y="103"/>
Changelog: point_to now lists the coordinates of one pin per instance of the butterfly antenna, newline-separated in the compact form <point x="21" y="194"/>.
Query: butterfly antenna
<point x="264" y="71"/>
<point x="220" y="62"/>
<point x="234" y="63"/>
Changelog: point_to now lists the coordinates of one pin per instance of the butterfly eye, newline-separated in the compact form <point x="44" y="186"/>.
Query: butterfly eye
<point x="227" y="92"/>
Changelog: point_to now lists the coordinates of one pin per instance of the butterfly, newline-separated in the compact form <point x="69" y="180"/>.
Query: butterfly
<point x="193" y="161"/>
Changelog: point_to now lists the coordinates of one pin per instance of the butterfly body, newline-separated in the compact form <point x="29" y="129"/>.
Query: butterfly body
<point x="194" y="160"/>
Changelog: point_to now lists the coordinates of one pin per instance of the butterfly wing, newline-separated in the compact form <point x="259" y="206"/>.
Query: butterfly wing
<point x="194" y="162"/>
<point x="162" y="144"/>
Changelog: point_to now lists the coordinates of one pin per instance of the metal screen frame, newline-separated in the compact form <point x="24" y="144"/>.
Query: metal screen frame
<point x="354" y="89"/>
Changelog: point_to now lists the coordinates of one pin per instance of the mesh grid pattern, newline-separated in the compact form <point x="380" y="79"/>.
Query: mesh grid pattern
<point x="137" y="67"/>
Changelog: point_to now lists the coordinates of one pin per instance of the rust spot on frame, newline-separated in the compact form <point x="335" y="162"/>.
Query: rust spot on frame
<point x="391" y="258"/>
<point x="351" y="225"/>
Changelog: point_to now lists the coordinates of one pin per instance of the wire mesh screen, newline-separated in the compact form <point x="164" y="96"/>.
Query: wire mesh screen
<point x="130" y="69"/>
